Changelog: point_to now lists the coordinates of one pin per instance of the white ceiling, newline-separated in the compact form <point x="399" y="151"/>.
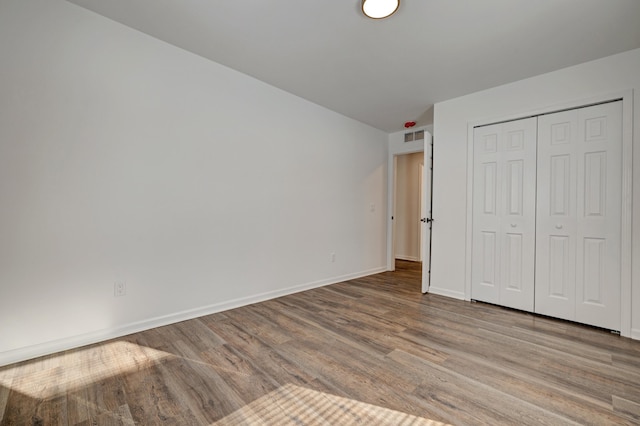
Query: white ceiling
<point x="386" y="72"/>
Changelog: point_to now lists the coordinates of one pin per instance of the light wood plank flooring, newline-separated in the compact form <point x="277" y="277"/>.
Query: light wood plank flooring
<point x="367" y="351"/>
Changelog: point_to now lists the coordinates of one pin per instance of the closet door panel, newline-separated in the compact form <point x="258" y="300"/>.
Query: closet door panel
<point x="555" y="291"/>
<point x="518" y="214"/>
<point x="599" y="192"/>
<point x="504" y="214"/>
<point x="486" y="221"/>
<point x="579" y="215"/>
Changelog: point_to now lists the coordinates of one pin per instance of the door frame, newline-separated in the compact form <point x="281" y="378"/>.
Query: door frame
<point x="626" y="96"/>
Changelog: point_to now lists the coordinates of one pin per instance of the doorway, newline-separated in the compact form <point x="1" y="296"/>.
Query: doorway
<point x="408" y="209"/>
<point x="410" y="183"/>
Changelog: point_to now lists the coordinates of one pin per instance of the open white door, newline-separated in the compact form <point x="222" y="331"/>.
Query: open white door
<point x="423" y="213"/>
<point x="427" y="218"/>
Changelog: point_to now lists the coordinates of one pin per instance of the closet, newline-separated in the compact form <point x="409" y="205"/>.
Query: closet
<point x="546" y="224"/>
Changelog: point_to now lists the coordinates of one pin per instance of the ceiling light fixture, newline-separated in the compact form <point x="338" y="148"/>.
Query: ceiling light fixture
<point x="378" y="9"/>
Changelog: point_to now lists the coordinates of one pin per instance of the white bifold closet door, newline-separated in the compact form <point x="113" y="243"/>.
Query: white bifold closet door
<point x="579" y="215"/>
<point x="503" y="259"/>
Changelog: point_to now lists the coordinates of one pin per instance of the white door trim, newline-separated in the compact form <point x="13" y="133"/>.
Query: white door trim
<point x="627" y="174"/>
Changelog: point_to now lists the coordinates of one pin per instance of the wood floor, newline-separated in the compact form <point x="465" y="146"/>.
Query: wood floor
<point x="368" y="351"/>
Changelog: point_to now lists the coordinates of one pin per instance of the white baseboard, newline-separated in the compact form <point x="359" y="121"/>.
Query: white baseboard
<point x="635" y="333"/>
<point x="409" y="258"/>
<point x="445" y="292"/>
<point x="46" y="348"/>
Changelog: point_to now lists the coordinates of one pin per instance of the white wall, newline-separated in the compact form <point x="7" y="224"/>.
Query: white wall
<point x="407" y="214"/>
<point x="545" y="92"/>
<point x="123" y="158"/>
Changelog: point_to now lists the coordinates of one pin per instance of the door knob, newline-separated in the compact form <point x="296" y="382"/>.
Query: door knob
<point x="558" y="226"/>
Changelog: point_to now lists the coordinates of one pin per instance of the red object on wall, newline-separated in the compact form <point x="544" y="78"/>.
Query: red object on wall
<point x="409" y="124"/>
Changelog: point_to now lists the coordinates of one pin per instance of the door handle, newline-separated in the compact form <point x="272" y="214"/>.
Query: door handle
<point x="558" y="226"/>
<point x="426" y="220"/>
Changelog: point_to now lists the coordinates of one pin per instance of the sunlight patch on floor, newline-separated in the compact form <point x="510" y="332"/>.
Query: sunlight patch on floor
<point x="295" y="405"/>
<point x="51" y="376"/>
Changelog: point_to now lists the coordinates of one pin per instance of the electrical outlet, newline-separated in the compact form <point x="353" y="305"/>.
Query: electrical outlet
<point x="119" y="289"/>
<point x="332" y="257"/>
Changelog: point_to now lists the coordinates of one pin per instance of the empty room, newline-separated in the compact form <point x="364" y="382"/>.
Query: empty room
<point x="339" y="212"/>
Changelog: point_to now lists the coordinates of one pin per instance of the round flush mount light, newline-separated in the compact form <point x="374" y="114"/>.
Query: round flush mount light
<point x="378" y="9"/>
